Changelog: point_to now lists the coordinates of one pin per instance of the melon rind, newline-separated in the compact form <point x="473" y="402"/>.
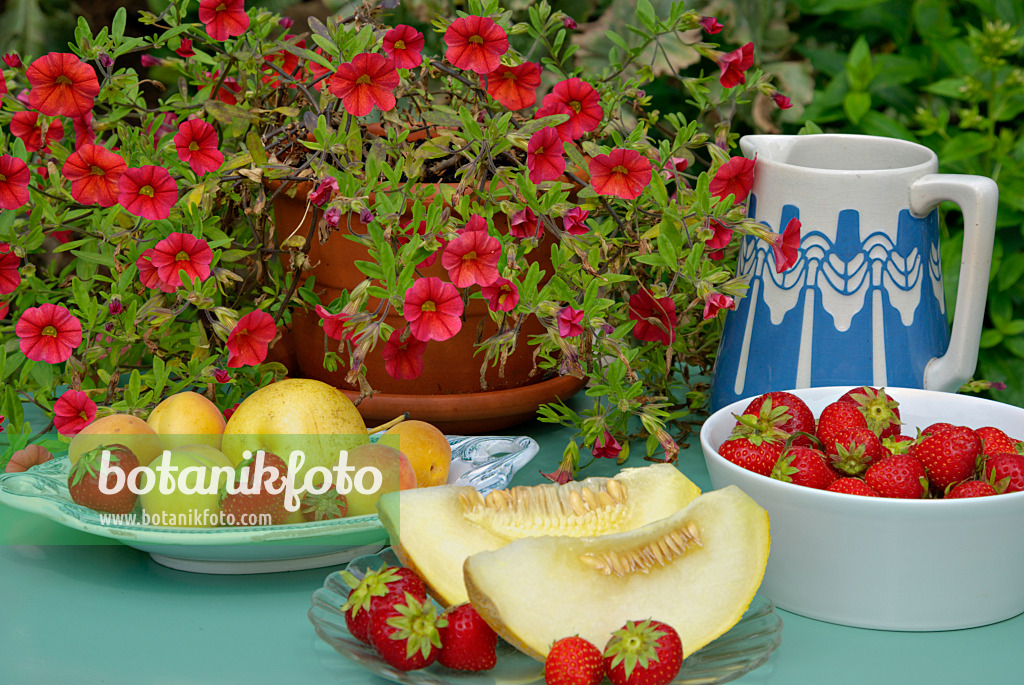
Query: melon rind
<point x="535" y="591"/>
<point x="431" y="534"/>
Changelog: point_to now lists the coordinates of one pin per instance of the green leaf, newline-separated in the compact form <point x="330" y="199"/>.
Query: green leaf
<point x="856" y="104"/>
<point x="117" y="25"/>
<point x="254" y="144"/>
<point x="964" y="146"/>
<point x="96" y="258"/>
<point x="131" y="394"/>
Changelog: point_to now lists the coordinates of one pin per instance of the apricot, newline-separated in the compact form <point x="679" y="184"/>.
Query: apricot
<point x="426" y="447"/>
<point x="187" y="418"/>
<point x="396" y="471"/>
<point x="125" y="429"/>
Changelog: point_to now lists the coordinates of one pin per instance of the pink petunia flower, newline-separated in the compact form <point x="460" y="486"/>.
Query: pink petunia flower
<point x="249" y="341"/>
<point x="181" y="252"/>
<point x="734" y="66"/>
<point x="10" y="277"/>
<point x="622" y="173"/>
<point x="717" y="243"/>
<point x="403" y="359"/>
<point x="501" y="296"/>
<point x="196" y="142"/>
<point x="48" y="333"/>
<point x="14" y="178"/>
<point x="514" y="87"/>
<point x="73" y="411"/>
<point x="475" y="44"/>
<point x="62" y="85"/>
<point x="223" y="18"/>
<point x="148" y="191"/>
<point x="714" y="302"/>
<point x="574" y="221"/>
<point x="583" y="104"/>
<point x="606" y="447"/>
<point x="525" y="224"/>
<point x="334" y="324"/>
<point x="655" y="318"/>
<point x="569" y="322"/>
<point x="786" y="246"/>
<point x="472" y="258"/>
<point x="735" y="177"/>
<point x="94" y="172"/>
<point x="433" y="309"/>
<point x="545" y="156"/>
<point x="368" y="81"/>
<point x="404" y="45"/>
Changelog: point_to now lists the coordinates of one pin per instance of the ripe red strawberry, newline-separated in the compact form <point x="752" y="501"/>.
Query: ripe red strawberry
<point x="1008" y="466"/>
<point x="852" y="486"/>
<point x="757" y="441"/>
<point x="328" y="505"/>
<point x="643" y="653"/>
<point x="971" y="488"/>
<point x="898" y="444"/>
<point x="835" y="418"/>
<point x="950" y="456"/>
<point x="467" y="642"/>
<point x="804" y="466"/>
<point x="855" y="449"/>
<point x="254" y="500"/>
<point x="880" y="411"/>
<point x="574" y="661"/>
<point x="901" y="475"/>
<point x="994" y="441"/>
<point x="405" y="633"/>
<point x="936" y="428"/>
<point x="377" y="588"/>
<point x="801" y="418"/>
<point x="84" y="480"/>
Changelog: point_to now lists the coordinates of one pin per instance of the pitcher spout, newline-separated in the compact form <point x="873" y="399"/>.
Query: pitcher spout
<point x="767" y="147"/>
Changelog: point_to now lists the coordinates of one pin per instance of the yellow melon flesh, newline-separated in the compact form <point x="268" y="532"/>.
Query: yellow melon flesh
<point x="434" y="530"/>
<point x="697" y="570"/>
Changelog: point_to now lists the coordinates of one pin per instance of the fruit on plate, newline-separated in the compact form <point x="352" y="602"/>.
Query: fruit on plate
<point x="295" y="414"/>
<point x="950" y="456"/>
<point x="467" y="642"/>
<point x="426" y="447"/>
<point x="121" y="429"/>
<point x="880" y="411"/>
<point x="643" y="653"/>
<point x="84" y="480"/>
<point x="374" y="590"/>
<point x="573" y="661"/>
<point x="434" y="530"/>
<point x="200" y="467"/>
<point x="24" y="459"/>
<point x="321" y="507"/>
<point x="801" y="418"/>
<point x="260" y="506"/>
<point x="405" y="633"/>
<point x="187" y="418"/>
<point x="697" y="570"/>
<point x="395" y="469"/>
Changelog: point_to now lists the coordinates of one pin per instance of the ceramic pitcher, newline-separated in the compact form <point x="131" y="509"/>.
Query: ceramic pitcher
<point x="864" y="304"/>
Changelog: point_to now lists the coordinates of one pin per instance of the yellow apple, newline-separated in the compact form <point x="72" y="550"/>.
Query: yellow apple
<point x="187" y="418"/>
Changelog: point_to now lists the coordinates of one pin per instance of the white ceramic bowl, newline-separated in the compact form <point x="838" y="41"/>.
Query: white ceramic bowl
<point x="888" y="563"/>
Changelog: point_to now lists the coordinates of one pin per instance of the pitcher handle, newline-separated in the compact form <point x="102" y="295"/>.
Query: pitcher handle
<point x="978" y="199"/>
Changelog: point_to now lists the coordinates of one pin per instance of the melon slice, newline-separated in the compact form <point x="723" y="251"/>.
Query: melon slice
<point x="433" y="530"/>
<point x="697" y="570"/>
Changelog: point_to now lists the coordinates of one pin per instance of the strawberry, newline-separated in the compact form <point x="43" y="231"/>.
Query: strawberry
<point x="467" y="642"/>
<point x="405" y="633"/>
<point x="950" y="455"/>
<point x="377" y="588"/>
<point x="804" y="466"/>
<point x="757" y="441"/>
<point x="901" y="475"/>
<point x="574" y="661"/>
<point x="855" y="449"/>
<point x="852" y="486"/>
<point x="252" y="500"/>
<point x="1008" y="467"/>
<point x="643" y="653"/>
<point x="835" y="418"/>
<point x="84" y="480"/>
<point x="971" y="488"/>
<point x="881" y="412"/>
<point x="801" y="418"/>
<point x="898" y="444"/>
<point x="936" y="428"/>
<point x="994" y="441"/>
<point x="329" y="505"/>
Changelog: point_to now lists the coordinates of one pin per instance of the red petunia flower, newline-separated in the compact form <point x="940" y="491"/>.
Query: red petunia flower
<point x="196" y="142"/>
<point x="655" y="318"/>
<point x="13" y="60"/>
<point x="185" y="49"/>
<point x="324" y="192"/>
<point x="569" y="322"/>
<point x="318" y="72"/>
<point x="673" y="166"/>
<point x="735" y="177"/>
<point x="574" y="221"/>
<point x="221" y="376"/>
<point x="545" y="155"/>
<point x="475" y="44"/>
<point x="334" y="324"/>
<point x="10" y="277"/>
<point x="223" y="18"/>
<point x="25" y="125"/>
<point x="181" y="252"/>
<point x="734" y="66"/>
<point x="84" y="133"/>
<point x="475" y="223"/>
<point x="148" y="191"/>
<point x="48" y="333"/>
<point x="472" y="257"/>
<point x="94" y="172"/>
<point x="4" y="307"/>
<point x="622" y="173"/>
<point x="404" y="44"/>
<point x="369" y="79"/>
<point x="710" y="25"/>
<point x="714" y="302"/>
<point x="147" y="272"/>
<point x="14" y="178"/>
<point x="525" y="224"/>
<point x="286" y="61"/>
<point x="62" y="85"/>
<point x="786" y="246"/>
<point x="514" y="87"/>
<point x="606" y="447"/>
<point x="717" y="243"/>
<point x="73" y="411"/>
<point x="403" y="359"/>
<point x="501" y="296"/>
<point x="433" y="309"/>
<point x="229" y="88"/>
<point x="250" y="339"/>
<point x="583" y="101"/>
<point x="782" y="101"/>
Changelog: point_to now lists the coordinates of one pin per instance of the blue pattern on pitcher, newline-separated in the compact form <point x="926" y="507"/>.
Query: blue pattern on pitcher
<point x="853" y="311"/>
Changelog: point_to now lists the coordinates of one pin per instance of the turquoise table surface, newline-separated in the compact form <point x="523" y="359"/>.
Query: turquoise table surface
<point x="78" y="610"/>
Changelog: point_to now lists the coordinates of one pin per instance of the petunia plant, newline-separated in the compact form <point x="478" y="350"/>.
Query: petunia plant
<point x="139" y="256"/>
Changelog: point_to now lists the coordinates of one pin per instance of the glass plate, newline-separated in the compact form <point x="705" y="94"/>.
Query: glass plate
<point x="746" y="646"/>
